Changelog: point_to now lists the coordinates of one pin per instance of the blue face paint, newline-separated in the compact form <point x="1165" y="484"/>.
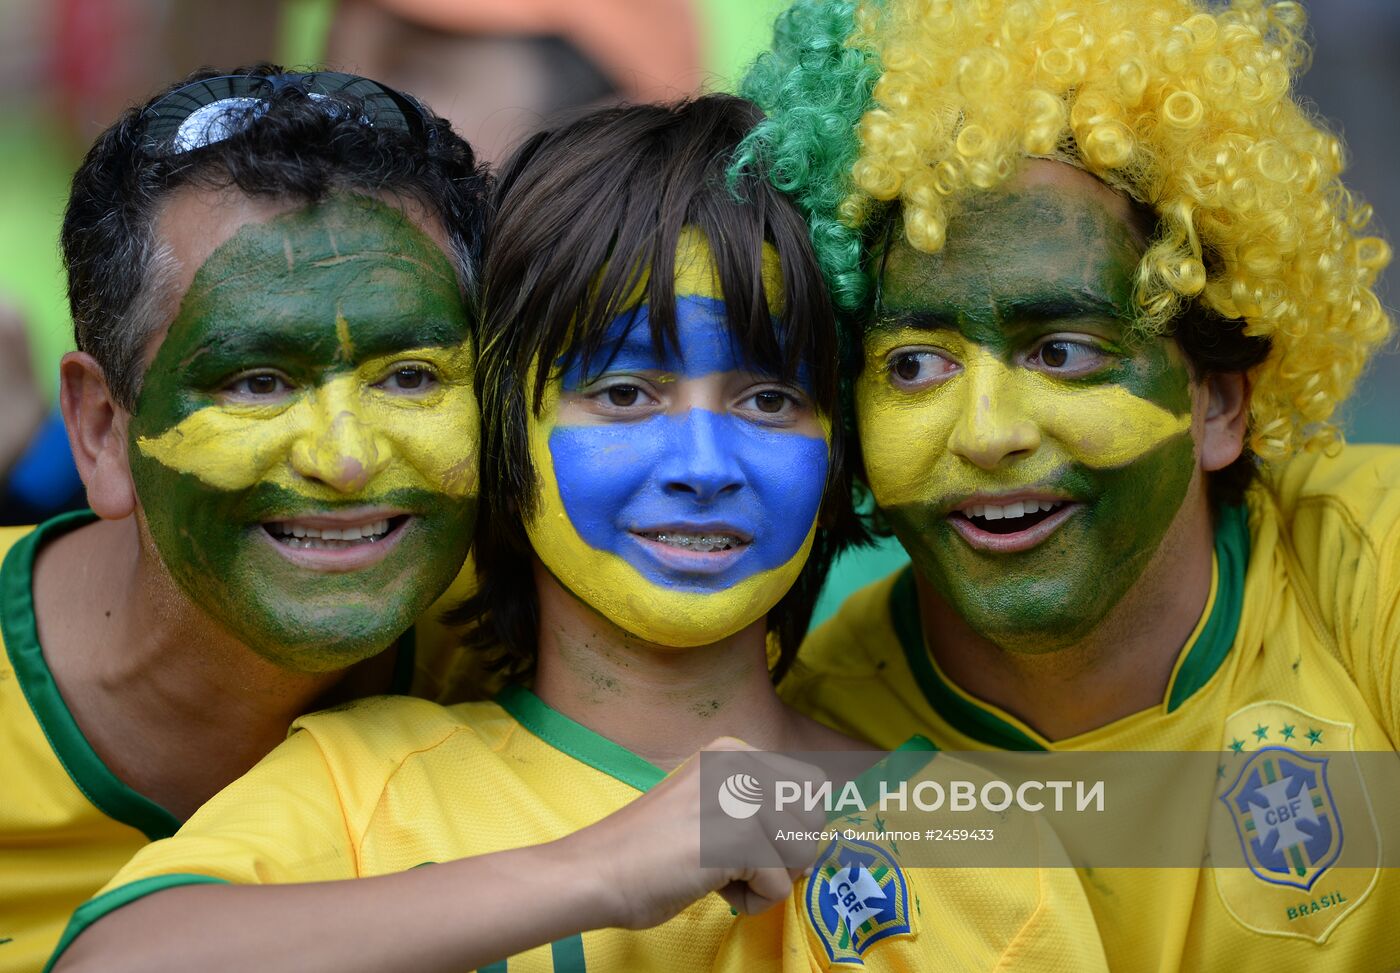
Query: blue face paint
<point x="616" y="492"/>
<point x="699" y="472"/>
<point x="706" y="346"/>
<point x="696" y="473"/>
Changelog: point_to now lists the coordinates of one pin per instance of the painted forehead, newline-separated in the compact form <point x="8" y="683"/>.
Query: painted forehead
<point x="705" y="346"/>
<point x="1032" y="240"/>
<point x="349" y="271"/>
<point x="705" y="342"/>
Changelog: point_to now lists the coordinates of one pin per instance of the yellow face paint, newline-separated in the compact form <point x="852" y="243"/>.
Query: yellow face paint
<point x="1006" y="371"/>
<point x="320" y="366"/>
<point x="348" y="434"/>
<point x="618" y="591"/>
<point x="913" y="440"/>
<point x="697" y="275"/>
<point x="688" y="472"/>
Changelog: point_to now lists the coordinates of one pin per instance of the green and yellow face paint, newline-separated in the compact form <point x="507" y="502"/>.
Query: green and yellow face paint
<point x="679" y="490"/>
<point x="304" y="446"/>
<point x="1028" y="450"/>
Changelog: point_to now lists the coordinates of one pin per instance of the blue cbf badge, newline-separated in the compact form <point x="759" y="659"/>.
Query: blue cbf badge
<point x="857" y="896"/>
<point x="1285" y="816"/>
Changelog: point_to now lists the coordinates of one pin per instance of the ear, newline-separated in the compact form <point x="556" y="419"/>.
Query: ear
<point x="97" y="435"/>
<point x="1226" y="418"/>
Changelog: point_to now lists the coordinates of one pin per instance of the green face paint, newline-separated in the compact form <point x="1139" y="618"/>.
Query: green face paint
<point x="317" y="380"/>
<point x="1028" y="451"/>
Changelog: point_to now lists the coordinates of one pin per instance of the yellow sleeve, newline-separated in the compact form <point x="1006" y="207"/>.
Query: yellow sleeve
<point x="281" y="822"/>
<point x="1342" y="516"/>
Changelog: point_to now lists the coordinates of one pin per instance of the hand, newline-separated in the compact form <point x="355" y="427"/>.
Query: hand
<point x="648" y="853"/>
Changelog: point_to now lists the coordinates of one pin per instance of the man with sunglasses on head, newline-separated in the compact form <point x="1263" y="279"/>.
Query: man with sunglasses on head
<point x="271" y="406"/>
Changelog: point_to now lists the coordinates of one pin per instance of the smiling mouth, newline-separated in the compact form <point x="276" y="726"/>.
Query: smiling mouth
<point x="299" y="536"/>
<point x="1010" y="518"/>
<point x="704" y="543"/>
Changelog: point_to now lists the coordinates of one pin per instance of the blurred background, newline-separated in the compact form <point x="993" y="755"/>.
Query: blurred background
<point x="497" y="69"/>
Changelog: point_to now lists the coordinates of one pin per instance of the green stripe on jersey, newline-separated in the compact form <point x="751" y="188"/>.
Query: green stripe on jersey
<point x="568" y="955"/>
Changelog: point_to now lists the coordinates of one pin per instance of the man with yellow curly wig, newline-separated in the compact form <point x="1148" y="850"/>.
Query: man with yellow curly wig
<point x="1109" y="290"/>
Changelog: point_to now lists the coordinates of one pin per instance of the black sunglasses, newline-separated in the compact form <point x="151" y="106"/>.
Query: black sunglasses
<point x="203" y="113"/>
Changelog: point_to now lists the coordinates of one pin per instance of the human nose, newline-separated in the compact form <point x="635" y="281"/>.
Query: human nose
<point x="703" y="461"/>
<point x="995" y="424"/>
<point x="337" y="447"/>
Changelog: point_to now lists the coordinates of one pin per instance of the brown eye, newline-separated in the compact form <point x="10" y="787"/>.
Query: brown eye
<point x="1055" y="354"/>
<point x="259" y="385"/>
<point x="1068" y="358"/>
<point x="770" y="401"/>
<point x="907" y="367"/>
<point x="623" y="396"/>
<point x="408" y="378"/>
<point x="915" y="369"/>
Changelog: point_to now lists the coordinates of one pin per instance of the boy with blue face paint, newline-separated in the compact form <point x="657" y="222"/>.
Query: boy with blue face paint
<point x="657" y="375"/>
<point x="680" y="487"/>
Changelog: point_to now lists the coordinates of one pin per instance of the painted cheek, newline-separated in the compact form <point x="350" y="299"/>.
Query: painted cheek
<point x="954" y="437"/>
<point x="433" y="444"/>
<point x="598" y="470"/>
<point x="340" y="438"/>
<point x="902" y="437"/>
<point x="788" y="473"/>
<point x="1102" y="426"/>
<point x="697" y="466"/>
<point x="443" y="446"/>
<point x="434" y="439"/>
<point x="228" y="448"/>
<point x="612" y="575"/>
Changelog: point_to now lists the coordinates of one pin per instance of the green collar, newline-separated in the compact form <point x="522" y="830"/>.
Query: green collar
<point x="91" y="776"/>
<point x="600" y="753"/>
<point x="98" y="784"/>
<point x="896" y="767"/>
<point x="577" y="740"/>
<point x="1207" y="653"/>
<point x="1204" y="656"/>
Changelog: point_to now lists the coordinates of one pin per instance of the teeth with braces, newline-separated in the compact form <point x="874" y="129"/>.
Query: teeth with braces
<point x="1019" y="508"/>
<point x="700" y="543"/>
<point x="304" y="538"/>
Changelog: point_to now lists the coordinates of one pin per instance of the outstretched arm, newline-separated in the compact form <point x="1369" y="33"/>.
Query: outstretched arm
<point x="634" y="869"/>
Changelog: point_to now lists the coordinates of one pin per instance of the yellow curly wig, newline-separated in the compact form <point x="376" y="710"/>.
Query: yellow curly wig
<point x="1188" y="111"/>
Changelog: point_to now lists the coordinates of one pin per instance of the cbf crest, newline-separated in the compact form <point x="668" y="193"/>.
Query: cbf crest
<point x="1285" y="816"/>
<point x="1294" y="843"/>
<point x="857" y="896"/>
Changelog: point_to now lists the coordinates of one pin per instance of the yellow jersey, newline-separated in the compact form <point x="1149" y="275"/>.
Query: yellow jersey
<point x="389" y="783"/>
<point x="67" y="823"/>
<point x="1298" y="649"/>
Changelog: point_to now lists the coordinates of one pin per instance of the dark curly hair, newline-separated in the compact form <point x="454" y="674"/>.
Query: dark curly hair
<point x="296" y="146"/>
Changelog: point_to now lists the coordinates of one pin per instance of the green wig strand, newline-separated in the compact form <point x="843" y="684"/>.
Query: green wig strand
<point x="814" y="87"/>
